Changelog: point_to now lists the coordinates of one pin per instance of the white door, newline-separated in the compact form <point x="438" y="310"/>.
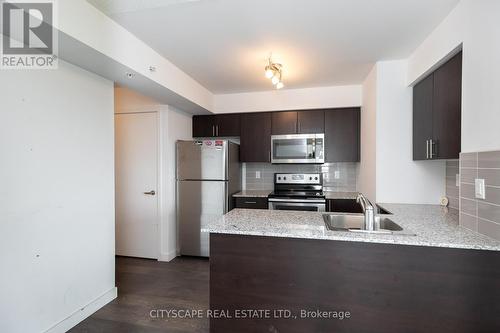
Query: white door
<point x="136" y="172"/>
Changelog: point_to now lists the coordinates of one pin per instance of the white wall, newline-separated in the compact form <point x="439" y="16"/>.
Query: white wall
<point x="399" y="179"/>
<point x="434" y="49"/>
<point x="56" y="198"/>
<point x="289" y="99"/>
<point x="83" y="22"/>
<point x="366" y="181"/>
<point x="476" y="24"/>
<point x="174" y="125"/>
<point x="129" y="101"/>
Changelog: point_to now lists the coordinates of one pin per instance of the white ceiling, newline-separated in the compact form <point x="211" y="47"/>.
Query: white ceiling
<point x="224" y="44"/>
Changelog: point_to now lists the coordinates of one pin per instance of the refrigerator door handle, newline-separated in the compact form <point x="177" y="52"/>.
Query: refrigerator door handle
<point x="227" y="197"/>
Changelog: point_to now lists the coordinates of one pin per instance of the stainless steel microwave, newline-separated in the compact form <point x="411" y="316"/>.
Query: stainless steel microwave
<point x="298" y="148"/>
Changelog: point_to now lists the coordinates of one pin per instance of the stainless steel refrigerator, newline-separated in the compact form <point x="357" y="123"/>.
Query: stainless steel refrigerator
<point x="208" y="174"/>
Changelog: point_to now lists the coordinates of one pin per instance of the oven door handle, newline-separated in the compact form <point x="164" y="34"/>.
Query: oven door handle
<point x="322" y="201"/>
<point x="318" y="207"/>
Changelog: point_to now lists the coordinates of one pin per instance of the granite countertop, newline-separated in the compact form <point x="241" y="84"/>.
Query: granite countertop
<point x="432" y="224"/>
<point x="265" y="193"/>
<point x="253" y="193"/>
<point x="340" y="195"/>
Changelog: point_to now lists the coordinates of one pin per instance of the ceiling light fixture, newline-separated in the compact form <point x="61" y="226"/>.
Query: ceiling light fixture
<point x="273" y="71"/>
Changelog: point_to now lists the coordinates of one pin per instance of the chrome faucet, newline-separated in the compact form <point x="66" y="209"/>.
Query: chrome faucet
<point x="368" y="211"/>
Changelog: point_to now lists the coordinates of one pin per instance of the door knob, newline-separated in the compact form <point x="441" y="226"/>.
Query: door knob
<point x="150" y="193"/>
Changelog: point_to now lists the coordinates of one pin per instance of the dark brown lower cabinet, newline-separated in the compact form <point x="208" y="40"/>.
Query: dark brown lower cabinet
<point x="385" y="288"/>
<point x="255" y="140"/>
<point x="251" y="203"/>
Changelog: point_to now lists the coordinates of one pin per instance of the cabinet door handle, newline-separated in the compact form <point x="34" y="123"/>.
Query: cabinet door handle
<point x="150" y="192"/>
<point x="250" y="202"/>
<point x="217" y="130"/>
<point x="213" y="130"/>
<point x="431" y="148"/>
<point x="427" y="149"/>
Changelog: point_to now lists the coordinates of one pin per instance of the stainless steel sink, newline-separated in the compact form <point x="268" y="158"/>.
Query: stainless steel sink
<point x="382" y="210"/>
<point x="356" y="223"/>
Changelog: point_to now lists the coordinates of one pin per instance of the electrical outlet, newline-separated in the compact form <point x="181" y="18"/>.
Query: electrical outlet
<point x="457" y="180"/>
<point x="337" y="174"/>
<point x="480" y="190"/>
<point x="257" y="174"/>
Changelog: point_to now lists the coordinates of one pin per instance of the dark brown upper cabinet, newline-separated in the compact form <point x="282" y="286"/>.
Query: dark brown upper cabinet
<point x="227" y="125"/>
<point x="223" y="125"/>
<point x="422" y="117"/>
<point x="437" y="113"/>
<point x="284" y="122"/>
<point x="342" y="135"/>
<point x="447" y="109"/>
<point x="255" y="139"/>
<point x="203" y="126"/>
<point x="341" y="128"/>
<point x="298" y="122"/>
<point x="311" y="122"/>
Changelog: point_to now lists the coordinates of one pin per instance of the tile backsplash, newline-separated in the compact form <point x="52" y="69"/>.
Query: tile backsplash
<point x="452" y="189"/>
<point x="345" y="172"/>
<point x="480" y="215"/>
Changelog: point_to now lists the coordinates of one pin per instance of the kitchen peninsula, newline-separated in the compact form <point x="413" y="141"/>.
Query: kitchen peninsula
<point x="443" y="277"/>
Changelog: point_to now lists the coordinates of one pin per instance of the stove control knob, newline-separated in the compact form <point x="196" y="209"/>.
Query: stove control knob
<point x="284" y="178"/>
<point x="315" y="178"/>
<point x="310" y="178"/>
<point x="279" y="178"/>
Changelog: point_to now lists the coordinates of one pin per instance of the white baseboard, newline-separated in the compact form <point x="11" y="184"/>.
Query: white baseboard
<point x="167" y="256"/>
<point x="80" y="314"/>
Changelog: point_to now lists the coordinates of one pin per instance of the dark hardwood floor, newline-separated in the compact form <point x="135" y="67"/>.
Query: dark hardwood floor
<point x="145" y="285"/>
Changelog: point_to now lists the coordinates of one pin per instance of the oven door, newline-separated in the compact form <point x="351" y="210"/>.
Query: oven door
<point x="298" y="148"/>
<point x="297" y="204"/>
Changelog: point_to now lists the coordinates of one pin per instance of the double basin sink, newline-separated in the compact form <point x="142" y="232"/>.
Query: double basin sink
<point x="355" y="222"/>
